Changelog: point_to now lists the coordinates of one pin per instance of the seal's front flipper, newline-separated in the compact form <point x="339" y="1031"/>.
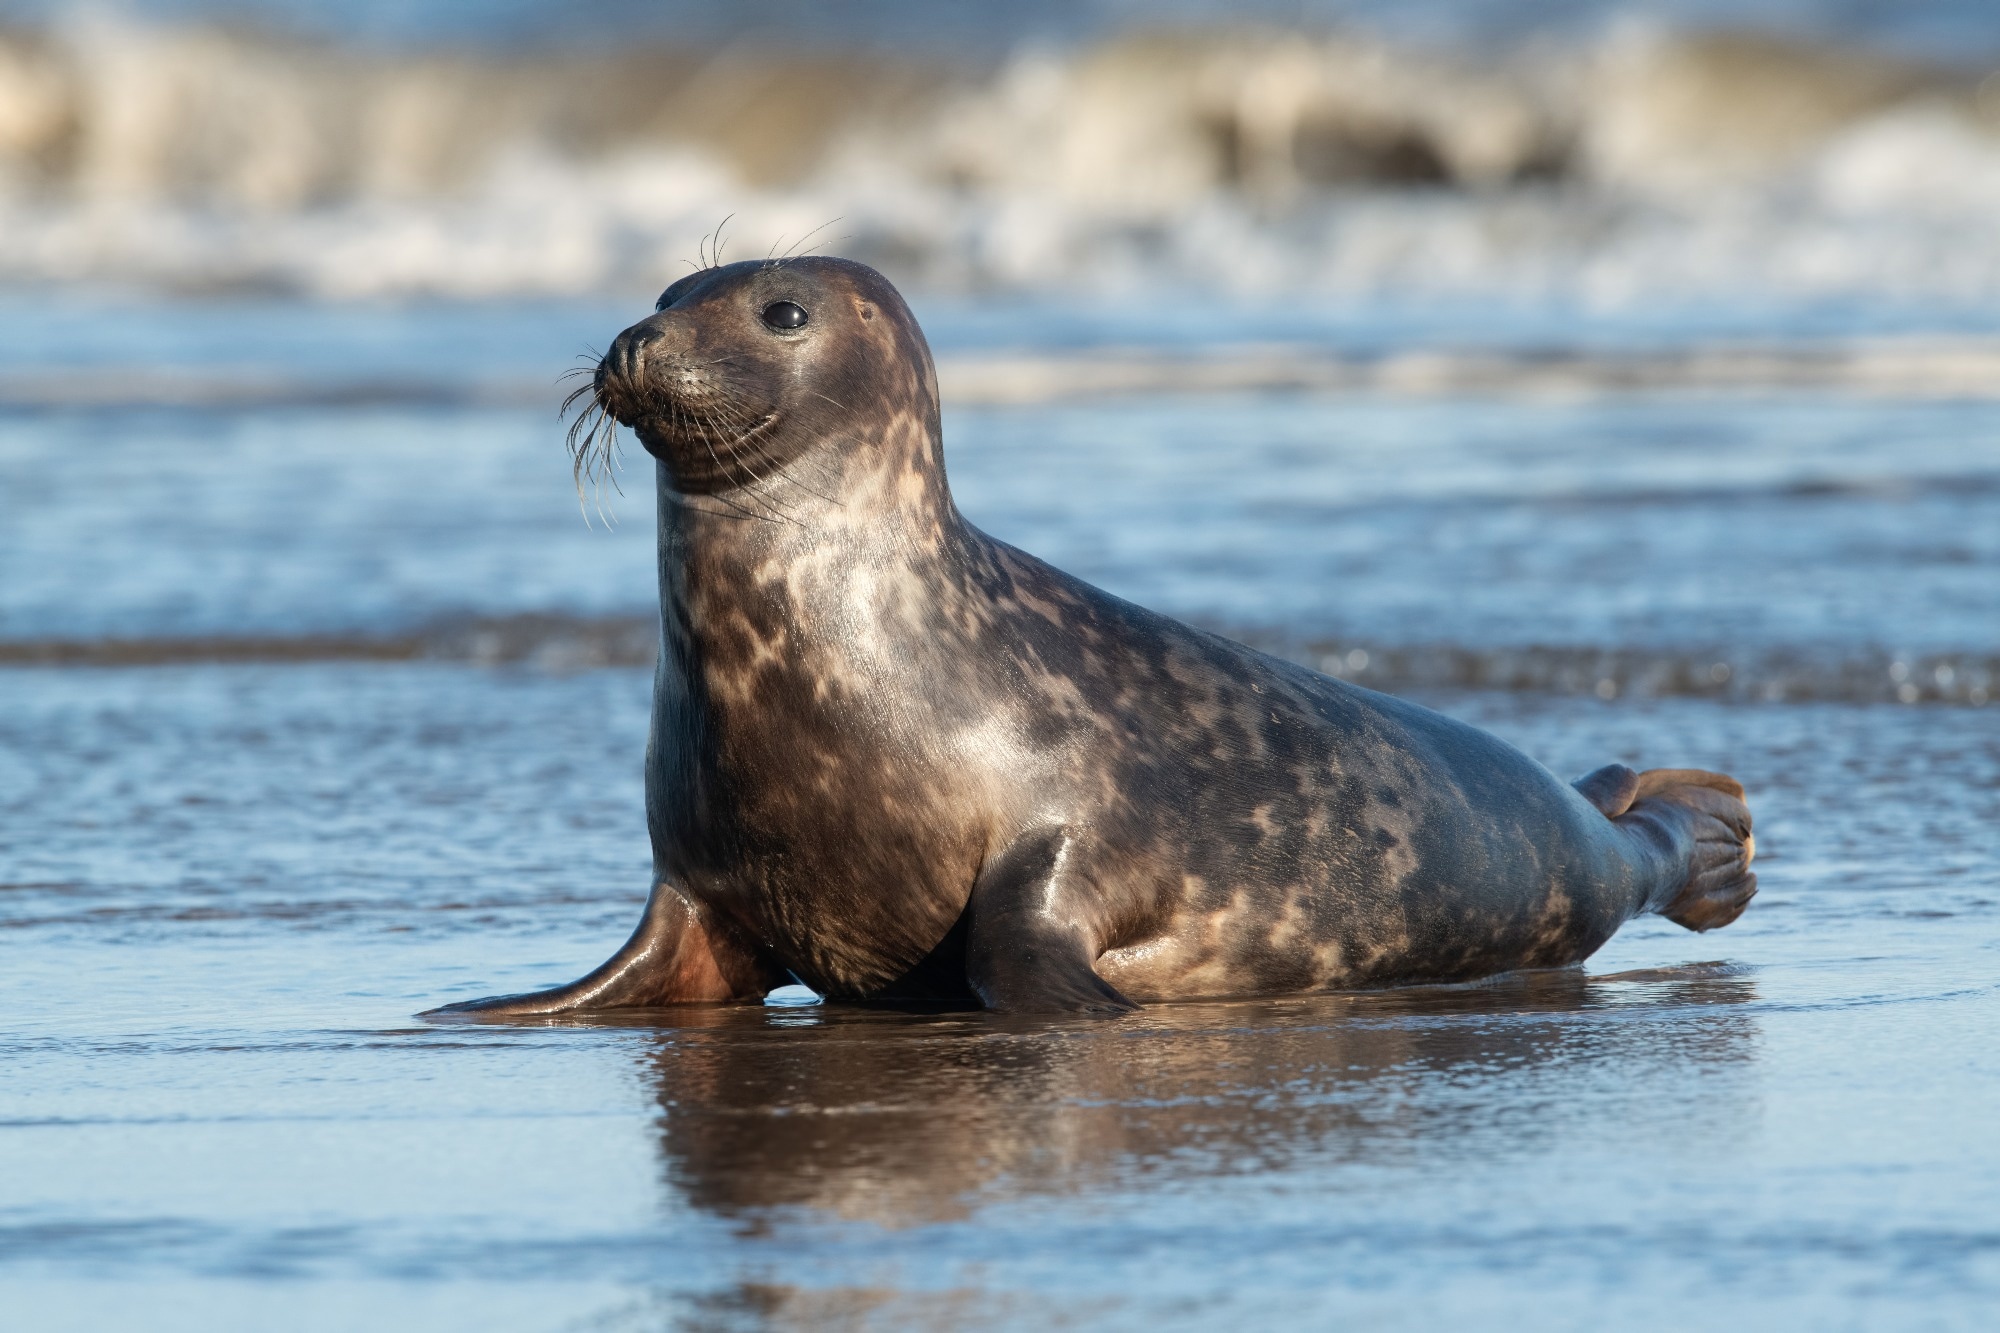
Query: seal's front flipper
<point x="676" y="956"/>
<point x="1024" y="951"/>
<point x="1705" y="811"/>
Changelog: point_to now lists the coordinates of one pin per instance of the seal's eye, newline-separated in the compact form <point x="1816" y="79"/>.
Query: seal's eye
<point x="785" y="315"/>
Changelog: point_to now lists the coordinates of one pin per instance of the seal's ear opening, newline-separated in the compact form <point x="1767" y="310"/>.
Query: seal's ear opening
<point x="866" y="308"/>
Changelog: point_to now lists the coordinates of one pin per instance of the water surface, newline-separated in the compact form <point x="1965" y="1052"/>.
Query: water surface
<point x="228" y="888"/>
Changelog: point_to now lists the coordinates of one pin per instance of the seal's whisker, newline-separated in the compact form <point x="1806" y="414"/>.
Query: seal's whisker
<point x="808" y="236"/>
<point x="736" y="510"/>
<point x="582" y="432"/>
<point x="580" y="473"/>
<point x="592" y="441"/>
<point x="703" y="430"/>
<point x="579" y="440"/>
<point x="710" y="249"/>
<point x="825" y="430"/>
<point x="779" y="468"/>
<point x="782" y="470"/>
<point x="585" y="422"/>
<point x="835" y="401"/>
<point x="592" y="474"/>
<point x="741" y="427"/>
<point x="610" y="456"/>
<point x="757" y="484"/>
<point x="569" y="400"/>
<point x="823" y="243"/>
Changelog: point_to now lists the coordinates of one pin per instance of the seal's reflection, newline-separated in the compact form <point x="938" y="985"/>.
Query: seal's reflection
<point x="901" y="1118"/>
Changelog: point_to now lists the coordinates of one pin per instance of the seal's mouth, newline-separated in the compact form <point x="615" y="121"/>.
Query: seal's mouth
<point x="757" y="428"/>
<point x="705" y="463"/>
<point x="709" y="443"/>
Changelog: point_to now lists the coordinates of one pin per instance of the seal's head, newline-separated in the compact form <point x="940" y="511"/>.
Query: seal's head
<point x="745" y="369"/>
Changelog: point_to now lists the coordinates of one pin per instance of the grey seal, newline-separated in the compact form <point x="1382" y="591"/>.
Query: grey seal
<point x="895" y="758"/>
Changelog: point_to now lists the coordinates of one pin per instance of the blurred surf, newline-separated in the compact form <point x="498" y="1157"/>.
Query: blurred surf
<point x="1636" y="164"/>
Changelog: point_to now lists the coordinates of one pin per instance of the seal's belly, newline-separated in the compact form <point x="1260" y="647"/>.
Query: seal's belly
<point x="1243" y="949"/>
<point x="1359" y="925"/>
<point x="1251" y="951"/>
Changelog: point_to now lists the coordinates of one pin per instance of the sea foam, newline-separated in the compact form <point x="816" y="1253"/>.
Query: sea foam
<point x="1621" y="169"/>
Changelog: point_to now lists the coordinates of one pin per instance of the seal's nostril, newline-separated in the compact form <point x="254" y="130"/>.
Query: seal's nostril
<point x="628" y="355"/>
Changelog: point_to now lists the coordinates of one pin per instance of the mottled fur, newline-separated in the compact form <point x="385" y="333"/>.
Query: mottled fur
<point x="893" y="756"/>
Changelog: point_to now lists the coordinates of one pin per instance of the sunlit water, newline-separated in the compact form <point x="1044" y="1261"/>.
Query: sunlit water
<point x="1809" y="522"/>
<point x="225" y="890"/>
<point x="230" y="887"/>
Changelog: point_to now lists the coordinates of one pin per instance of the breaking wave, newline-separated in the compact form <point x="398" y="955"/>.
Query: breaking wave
<point x="1264" y="162"/>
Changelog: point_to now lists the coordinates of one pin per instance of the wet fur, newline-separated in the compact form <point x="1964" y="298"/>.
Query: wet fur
<point x="892" y="756"/>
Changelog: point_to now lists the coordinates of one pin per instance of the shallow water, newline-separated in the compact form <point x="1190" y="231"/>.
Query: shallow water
<point x="1822" y="522"/>
<point x="226" y="887"/>
<point x="229" y="887"/>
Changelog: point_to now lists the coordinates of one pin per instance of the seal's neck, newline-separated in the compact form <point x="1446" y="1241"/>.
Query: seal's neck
<point x="817" y="554"/>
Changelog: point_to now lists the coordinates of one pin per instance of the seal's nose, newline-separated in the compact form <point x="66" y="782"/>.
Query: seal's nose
<point x="627" y="357"/>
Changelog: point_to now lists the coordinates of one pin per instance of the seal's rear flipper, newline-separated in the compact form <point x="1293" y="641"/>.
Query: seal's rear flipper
<point x="676" y="956"/>
<point x="1024" y="952"/>
<point x="1708" y="810"/>
<point x="1611" y="789"/>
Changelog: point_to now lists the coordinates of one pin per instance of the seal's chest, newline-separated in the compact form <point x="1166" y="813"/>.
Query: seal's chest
<point x="851" y="889"/>
<point x="850" y="929"/>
